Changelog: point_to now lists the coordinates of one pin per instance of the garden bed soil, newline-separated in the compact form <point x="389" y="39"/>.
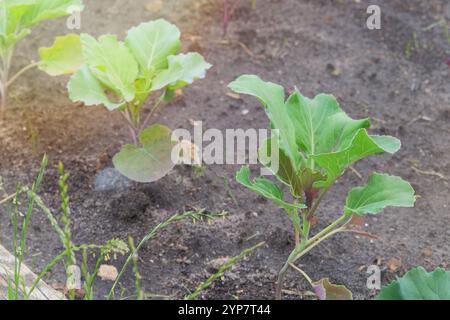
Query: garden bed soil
<point x="397" y="75"/>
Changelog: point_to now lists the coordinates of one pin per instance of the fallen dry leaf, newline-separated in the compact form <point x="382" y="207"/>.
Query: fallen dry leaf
<point x="394" y="264"/>
<point x="178" y="94"/>
<point x="107" y="272"/>
<point x="217" y="263"/>
<point x="154" y="6"/>
<point x="427" y="252"/>
<point x="234" y="96"/>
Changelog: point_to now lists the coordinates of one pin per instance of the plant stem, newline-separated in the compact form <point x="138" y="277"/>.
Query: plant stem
<point x="6" y="65"/>
<point x="149" y="236"/>
<point x="137" y="275"/>
<point x="296" y="222"/>
<point x="47" y="268"/>
<point x="131" y="127"/>
<point x="132" y="116"/>
<point x="328" y="229"/>
<point x="230" y="263"/>
<point x="297" y="235"/>
<point x="3" y="92"/>
<point x="8" y="198"/>
<point x="307" y="245"/>
<point x="316" y="205"/>
<point x="20" y="72"/>
<point x="315" y="244"/>
<point x="281" y="275"/>
<point x="152" y="113"/>
<point x="26" y="222"/>
<point x="65" y="219"/>
<point x="226" y="17"/>
<point x="228" y="13"/>
<point x="305" y="232"/>
<point x="303" y="273"/>
<point x="298" y="249"/>
<point x="90" y="278"/>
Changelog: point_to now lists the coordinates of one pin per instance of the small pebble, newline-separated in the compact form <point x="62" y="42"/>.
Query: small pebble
<point x="110" y="179"/>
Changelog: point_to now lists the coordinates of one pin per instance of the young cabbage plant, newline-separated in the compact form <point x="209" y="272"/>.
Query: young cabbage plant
<point x="316" y="141"/>
<point x="17" y="19"/>
<point x="123" y="76"/>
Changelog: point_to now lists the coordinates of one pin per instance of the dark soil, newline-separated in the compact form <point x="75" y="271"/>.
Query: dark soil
<point x="316" y="45"/>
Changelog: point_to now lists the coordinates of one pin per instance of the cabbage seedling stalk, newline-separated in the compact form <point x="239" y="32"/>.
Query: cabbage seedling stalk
<point x="5" y="81"/>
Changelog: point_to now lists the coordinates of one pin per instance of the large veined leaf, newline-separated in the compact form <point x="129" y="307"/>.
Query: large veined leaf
<point x="112" y="63"/>
<point x="272" y="96"/>
<point x="151" y="161"/>
<point x="51" y="9"/>
<point x="418" y="284"/>
<point x="152" y="43"/>
<point x="64" y="57"/>
<point x="330" y="138"/>
<point x="361" y="146"/>
<point x="19" y="16"/>
<point x="183" y="69"/>
<point x="84" y="87"/>
<point x="380" y="192"/>
<point x="11" y="14"/>
<point x="320" y="124"/>
<point x="265" y="188"/>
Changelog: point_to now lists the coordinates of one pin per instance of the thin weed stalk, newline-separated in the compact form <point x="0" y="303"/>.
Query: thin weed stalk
<point x="225" y="267"/>
<point x="196" y="216"/>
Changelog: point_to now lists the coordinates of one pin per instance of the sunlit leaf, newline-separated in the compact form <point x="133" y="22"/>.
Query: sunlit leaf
<point x="51" y="9"/>
<point x="152" y="43"/>
<point x="361" y="146"/>
<point x="320" y="124"/>
<point x="272" y="97"/>
<point x="111" y="62"/>
<point x="84" y="87"/>
<point x="183" y="70"/>
<point x="19" y="16"/>
<point x="380" y="192"/>
<point x="64" y="57"/>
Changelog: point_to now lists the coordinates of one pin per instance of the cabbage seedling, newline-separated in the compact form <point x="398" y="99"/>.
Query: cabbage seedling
<point x="316" y="142"/>
<point x="17" y="19"/>
<point x="123" y="76"/>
